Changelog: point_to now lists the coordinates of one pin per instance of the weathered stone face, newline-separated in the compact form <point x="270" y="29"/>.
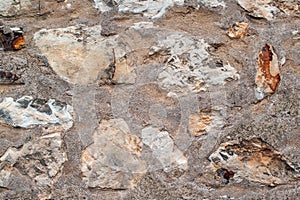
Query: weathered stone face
<point x="119" y="99"/>
<point x="113" y="160"/>
<point x="41" y="159"/>
<point x="252" y="160"/>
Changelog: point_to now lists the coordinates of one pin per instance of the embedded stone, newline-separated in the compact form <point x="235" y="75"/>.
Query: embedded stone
<point x="28" y="112"/>
<point x="164" y="149"/>
<point x="113" y="161"/>
<point x="268" y="72"/>
<point x="252" y="160"/>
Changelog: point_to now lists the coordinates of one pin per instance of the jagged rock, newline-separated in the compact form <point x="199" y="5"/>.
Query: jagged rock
<point x="113" y="160"/>
<point x="163" y="149"/>
<point x="84" y="61"/>
<point x="27" y="112"/>
<point x="41" y="159"/>
<point x="187" y="68"/>
<point x="267" y="72"/>
<point x="252" y="160"/>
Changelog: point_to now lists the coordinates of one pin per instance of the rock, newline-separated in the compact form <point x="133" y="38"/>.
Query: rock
<point x="41" y="159"/>
<point x="151" y="9"/>
<point x="84" y="61"/>
<point x="113" y="160"/>
<point x="269" y="9"/>
<point x="238" y="30"/>
<point x="252" y="160"/>
<point x="9" y="8"/>
<point x="212" y="3"/>
<point x="187" y="69"/>
<point x="268" y="73"/>
<point x="11" y="38"/>
<point x="199" y="123"/>
<point x="163" y="149"/>
<point x="27" y="112"/>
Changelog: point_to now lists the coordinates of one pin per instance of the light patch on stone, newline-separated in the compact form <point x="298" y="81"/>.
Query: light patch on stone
<point x="213" y="3"/>
<point x="27" y="112"/>
<point x="164" y="149"/>
<point x="199" y="123"/>
<point x="113" y="160"/>
<point x="124" y="73"/>
<point x="267" y="72"/>
<point x="41" y="159"/>
<point x="82" y="56"/>
<point x="238" y="30"/>
<point x="150" y="8"/>
<point x="69" y="57"/>
<point x="252" y="160"/>
<point x="186" y="69"/>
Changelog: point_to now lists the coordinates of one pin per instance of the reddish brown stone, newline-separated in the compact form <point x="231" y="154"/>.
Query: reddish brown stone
<point x="268" y="74"/>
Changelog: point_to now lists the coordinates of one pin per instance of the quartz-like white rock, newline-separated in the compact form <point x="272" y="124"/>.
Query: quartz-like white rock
<point x="27" y="112"/>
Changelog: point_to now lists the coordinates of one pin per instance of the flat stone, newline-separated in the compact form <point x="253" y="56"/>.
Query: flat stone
<point x="113" y="160"/>
<point x="84" y="61"/>
<point x="252" y="160"/>
<point x="164" y="149"/>
<point x="27" y="112"/>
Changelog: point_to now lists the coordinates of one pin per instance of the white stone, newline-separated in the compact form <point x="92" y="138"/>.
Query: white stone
<point x="164" y="149"/>
<point x="113" y="160"/>
<point x="23" y="113"/>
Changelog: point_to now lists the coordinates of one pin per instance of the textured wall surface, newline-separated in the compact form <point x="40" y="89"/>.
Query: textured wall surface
<point x="165" y="99"/>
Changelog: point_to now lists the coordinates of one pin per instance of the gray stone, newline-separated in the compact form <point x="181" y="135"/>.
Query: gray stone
<point x="164" y="149"/>
<point x="113" y="160"/>
<point x="41" y="159"/>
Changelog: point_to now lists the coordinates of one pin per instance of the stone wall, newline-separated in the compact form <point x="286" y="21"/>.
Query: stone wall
<point x="173" y="99"/>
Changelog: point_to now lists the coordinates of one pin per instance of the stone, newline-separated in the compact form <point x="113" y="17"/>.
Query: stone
<point x="238" y="30"/>
<point x="41" y="159"/>
<point x="269" y="9"/>
<point x="267" y="72"/>
<point x="151" y="9"/>
<point x="252" y="160"/>
<point x="81" y="61"/>
<point x="164" y="149"/>
<point x="199" y="123"/>
<point x="113" y="161"/>
<point x="28" y="112"/>
<point x="186" y="68"/>
<point x="259" y="8"/>
<point x="9" y="8"/>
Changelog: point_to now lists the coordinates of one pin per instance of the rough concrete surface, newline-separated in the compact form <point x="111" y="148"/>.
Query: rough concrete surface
<point x="165" y="99"/>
